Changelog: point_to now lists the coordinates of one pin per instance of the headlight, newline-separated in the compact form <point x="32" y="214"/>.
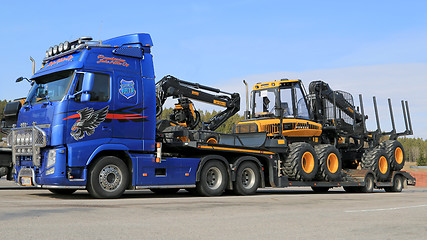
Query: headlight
<point x="51" y="159"/>
<point x="50" y="51"/>
<point x="47" y="54"/>
<point x="27" y="139"/>
<point x="61" y="47"/>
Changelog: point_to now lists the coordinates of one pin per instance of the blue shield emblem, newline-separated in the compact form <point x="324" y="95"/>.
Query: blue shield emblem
<point x="127" y="88"/>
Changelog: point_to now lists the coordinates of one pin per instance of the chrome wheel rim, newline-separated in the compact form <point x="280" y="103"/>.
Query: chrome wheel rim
<point x="214" y="178"/>
<point x="248" y="178"/>
<point x="110" y="178"/>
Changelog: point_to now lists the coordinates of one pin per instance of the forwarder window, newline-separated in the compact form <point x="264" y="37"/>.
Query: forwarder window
<point x="101" y="88"/>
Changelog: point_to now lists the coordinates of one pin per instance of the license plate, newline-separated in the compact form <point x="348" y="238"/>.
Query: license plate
<point x="26" y="181"/>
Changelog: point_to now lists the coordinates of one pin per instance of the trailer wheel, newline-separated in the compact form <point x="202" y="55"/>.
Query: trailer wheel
<point x="397" y="185"/>
<point x="108" y="178"/>
<point x="301" y="163"/>
<point x="369" y="185"/>
<point x="164" y="191"/>
<point x="62" y="191"/>
<point x="395" y="154"/>
<point x="330" y="162"/>
<point x="213" y="179"/>
<point x="320" y="189"/>
<point x="376" y="160"/>
<point x="247" y="179"/>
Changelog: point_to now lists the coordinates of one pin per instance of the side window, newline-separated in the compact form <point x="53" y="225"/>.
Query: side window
<point x="101" y="88"/>
<point x="301" y="105"/>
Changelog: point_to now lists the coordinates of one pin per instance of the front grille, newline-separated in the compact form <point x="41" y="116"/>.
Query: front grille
<point x="26" y="142"/>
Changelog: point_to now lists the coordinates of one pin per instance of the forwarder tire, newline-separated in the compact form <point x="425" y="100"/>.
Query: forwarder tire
<point x="376" y="160"/>
<point x="213" y="179"/>
<point x="108" y="178"/>
<point x="397" y="185"/>
<point x="62" y="191"/>
<point x="301" y="163"/>
<point x="395" y="154"/>
<point x="247" y="179"/>
<point x="329" y="162"/>
<point x="164" y="191"/>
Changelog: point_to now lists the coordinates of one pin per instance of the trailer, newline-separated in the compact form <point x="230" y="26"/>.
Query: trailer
<point x="89" y="122"/>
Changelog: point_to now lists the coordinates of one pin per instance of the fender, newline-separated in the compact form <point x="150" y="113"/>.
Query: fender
<point x="106" y="147"/>
<point x="241" y="159"/>
<point x="206" y="158"/>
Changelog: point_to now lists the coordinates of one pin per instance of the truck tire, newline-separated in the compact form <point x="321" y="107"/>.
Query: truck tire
<point x="397" y="185"/>
<point x="369" y="185"/>
<point x="213" y="179"/>
<point x="247" y="179"/>
<point x="395" y="154"/>
<point x="108" y="178"/>
<point x="62" y="191"/>
<point x="164" y="191"/>
<point x="376" y="160"/>
<point x="301" y="163"/>
<point x="330" y="162"/>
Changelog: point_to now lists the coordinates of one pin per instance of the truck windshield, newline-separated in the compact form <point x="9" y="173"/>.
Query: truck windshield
<point x="50" y="88"/>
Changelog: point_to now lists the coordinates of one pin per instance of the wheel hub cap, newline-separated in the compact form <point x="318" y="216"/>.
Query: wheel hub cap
<point x="110" y="178"/>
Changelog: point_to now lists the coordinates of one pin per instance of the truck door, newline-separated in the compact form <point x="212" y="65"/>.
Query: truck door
<point x="89" y="123"/>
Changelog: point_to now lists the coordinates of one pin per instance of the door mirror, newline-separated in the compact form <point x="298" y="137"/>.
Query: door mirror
<point x="87" y="86"/>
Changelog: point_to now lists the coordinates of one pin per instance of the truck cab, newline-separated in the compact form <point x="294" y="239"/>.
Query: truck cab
<point x="89" y="97"/>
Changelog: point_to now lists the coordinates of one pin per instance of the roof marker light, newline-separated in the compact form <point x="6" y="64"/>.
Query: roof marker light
<point x="55" y="49"/>
<point x="66" y="46"/>
<point x="61" y="47"/>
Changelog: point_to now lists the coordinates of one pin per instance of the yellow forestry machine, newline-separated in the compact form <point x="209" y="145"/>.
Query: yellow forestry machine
<point x="326" y="134"/>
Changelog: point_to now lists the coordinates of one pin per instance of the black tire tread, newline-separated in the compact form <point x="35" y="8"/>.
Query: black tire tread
<point x="390" y="146"/>
<point x="370" y="160"/>
<point x="292" y="166"/>
<point x="323" y="152"/>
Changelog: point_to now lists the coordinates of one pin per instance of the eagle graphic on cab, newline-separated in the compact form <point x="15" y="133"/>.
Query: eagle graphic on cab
<point x="88" y="122"/>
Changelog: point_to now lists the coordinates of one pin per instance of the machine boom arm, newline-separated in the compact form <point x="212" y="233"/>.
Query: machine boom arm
<point x="170" y="86"/>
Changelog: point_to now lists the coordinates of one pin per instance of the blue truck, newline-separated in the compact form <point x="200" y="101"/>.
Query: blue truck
<point x="89" y="122"/>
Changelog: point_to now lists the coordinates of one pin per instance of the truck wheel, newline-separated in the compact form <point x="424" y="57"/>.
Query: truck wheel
<point x="213" y="179"/>
<point x="369" y="185"/>
<point x="164" y="191"/>
<point x="320" y="189"/>
<point x="108" y="178"/>
<point x="247" y="179"/>
<point x="395" y="154"/>
<point x="397" y="185"/>
<point x="376" y="160"/>
<point x="301" y="163"/>
<point x="62" y="191"/>
<point x="329" y="162"/>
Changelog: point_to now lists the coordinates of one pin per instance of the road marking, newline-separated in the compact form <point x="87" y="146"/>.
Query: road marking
<point x="384" y="209"/>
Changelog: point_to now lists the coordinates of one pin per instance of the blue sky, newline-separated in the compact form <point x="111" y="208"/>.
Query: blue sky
<point x="370" y="47"/>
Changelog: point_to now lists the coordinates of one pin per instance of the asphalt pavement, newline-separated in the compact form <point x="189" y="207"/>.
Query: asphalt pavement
<point x="291" y="213"/>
